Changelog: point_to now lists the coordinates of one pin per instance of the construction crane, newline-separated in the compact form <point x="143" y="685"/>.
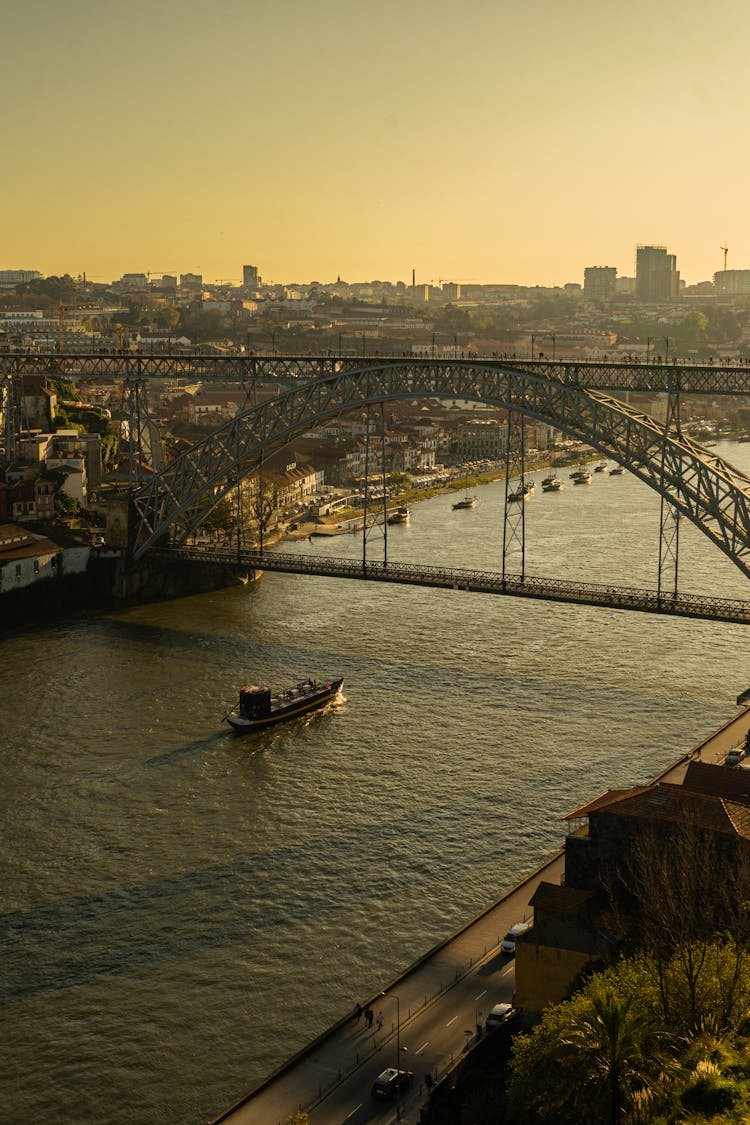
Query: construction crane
<point x="154" y="273"/>
<point x="726" y="251"/>
<point x="449" y="280"/>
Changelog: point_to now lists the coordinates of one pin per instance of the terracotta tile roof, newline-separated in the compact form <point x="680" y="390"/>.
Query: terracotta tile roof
<point x="558" y="900"/>
<point x="600" y="802"/>
<point x="719" y="781"/>
<point x="674" y="803"/>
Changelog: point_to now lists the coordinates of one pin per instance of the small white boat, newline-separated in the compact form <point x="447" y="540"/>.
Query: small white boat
<point x="467" y="502"/>
<point x="583" y="478"/>
<point x="523" y="492"/>
<point x="399" y="515"/>
<point x="617" y="471"/>
<point x="552" y="484"/>
<point x="601" y="468"/>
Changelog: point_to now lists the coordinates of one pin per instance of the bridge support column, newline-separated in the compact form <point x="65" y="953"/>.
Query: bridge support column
<point x="669" y="524"/>
<point x="514" y="518"/>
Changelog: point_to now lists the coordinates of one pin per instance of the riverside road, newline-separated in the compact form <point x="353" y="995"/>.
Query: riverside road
<point x="430" y="1012"/>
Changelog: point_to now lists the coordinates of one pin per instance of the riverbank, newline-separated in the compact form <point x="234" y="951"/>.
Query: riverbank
<point x="350" y="519"/>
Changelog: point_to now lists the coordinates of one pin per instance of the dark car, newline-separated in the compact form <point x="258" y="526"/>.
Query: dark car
<point x="388" y="1084"/>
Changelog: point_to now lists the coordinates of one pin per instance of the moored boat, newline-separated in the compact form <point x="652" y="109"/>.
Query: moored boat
<point x="258" y="708"/>
<point x="399" y="515"/>
<point x="523" y="492"/>
<point x="552" y="484"/>
<point x="467" y="502"/>
<point x="584" y="477"/>
<point x="602" y="468"/>
<point x="617" y="471"/>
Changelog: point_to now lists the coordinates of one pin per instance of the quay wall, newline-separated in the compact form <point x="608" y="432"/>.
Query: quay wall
<point x="312" y="1046"/>
<point x="108" y="580"/>
<point x="706" y="750"/>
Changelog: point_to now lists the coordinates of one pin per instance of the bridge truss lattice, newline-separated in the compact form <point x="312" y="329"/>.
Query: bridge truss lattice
<point x="699" y="485"/>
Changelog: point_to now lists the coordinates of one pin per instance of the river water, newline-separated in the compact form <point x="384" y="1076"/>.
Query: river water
<point x="183" y="909"/>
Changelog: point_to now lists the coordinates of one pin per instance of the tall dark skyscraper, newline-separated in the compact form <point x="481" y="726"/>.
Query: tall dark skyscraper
<point x="250" y="277"/>
<point x="656" y="276"/>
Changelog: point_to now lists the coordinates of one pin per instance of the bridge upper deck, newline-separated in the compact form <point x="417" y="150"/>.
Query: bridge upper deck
<point x="676" y="376"/>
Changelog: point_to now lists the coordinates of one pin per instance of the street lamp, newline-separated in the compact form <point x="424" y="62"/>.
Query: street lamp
<point x="553" y="347"/>
<point x="532" y="346"/>
<point x="398" y="1051"/>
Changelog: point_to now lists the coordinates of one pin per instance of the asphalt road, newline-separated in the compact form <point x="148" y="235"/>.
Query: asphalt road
<point x="430" y="1012"/>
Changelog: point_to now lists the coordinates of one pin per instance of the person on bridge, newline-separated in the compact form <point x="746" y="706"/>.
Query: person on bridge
<point x="380" y="1021"/>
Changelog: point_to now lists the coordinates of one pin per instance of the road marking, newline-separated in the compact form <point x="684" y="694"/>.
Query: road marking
<point x="451" y="1021"/>
<point x="507" y="969"/>
<point x="425" y="1044"/>
<point x="353" y="1111"/>
<point x="481" y="994"/>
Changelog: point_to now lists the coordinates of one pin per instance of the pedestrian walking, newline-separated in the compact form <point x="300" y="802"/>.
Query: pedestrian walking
<point x="370" y="1017"/>
<point x="358" y="1012"/>
<point x="380" y="1021"/>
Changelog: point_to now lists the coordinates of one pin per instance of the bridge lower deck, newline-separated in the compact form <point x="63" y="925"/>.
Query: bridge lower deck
<point x="476" y="582"/>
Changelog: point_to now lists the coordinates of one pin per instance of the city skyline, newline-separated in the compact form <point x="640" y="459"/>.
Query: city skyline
<point x="484" y="144"/>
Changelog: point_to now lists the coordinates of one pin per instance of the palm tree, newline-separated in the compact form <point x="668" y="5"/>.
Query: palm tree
<point x="615" y="1046"/>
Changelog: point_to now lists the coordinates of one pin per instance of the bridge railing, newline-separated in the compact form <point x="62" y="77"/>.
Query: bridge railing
<point x="609" y="596"/>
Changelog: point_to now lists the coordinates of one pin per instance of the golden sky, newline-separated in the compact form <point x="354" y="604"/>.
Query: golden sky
<point x="467" y="140"/>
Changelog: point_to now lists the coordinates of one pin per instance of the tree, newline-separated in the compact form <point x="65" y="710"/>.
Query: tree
<point x="66" y="506"/>
<point x="221" y="519"/>
<point x="665" y="898"/>
<point x="614" y="1044"/>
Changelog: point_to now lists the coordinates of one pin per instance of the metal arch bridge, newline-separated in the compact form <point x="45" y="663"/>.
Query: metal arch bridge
<point x="700" y="486"/>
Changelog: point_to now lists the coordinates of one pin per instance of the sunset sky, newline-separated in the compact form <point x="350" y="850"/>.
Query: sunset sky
<point x="475" y="140"/>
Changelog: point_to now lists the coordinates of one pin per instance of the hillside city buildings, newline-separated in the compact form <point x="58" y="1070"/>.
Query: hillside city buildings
<point x="74" y="442"/>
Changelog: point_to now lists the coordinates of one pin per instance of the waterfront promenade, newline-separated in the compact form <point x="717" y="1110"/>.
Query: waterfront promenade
<point x="430" y="1012"/>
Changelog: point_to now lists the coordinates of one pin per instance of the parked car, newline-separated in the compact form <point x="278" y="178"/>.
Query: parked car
<point x="388" y="1084"/>
<point x="508" y="944"/>
<point x="734" y="757"/>
<point x="500" y="1014"/>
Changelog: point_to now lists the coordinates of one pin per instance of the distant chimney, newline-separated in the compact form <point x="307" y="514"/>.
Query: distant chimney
<point x="413" y="278"/>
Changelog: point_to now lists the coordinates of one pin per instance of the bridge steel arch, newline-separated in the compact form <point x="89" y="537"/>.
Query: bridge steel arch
<point x="702" y="487"/>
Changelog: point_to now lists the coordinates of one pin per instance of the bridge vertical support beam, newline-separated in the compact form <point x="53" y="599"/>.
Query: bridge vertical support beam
<point x="249" y="385"/>
<point x="669" y="524"/>
<point x="143" y="439"/>
<point x="367" y="490"/>
<point x="370" y="525"/>
<point x="11" y="404"/>
<point x="239" y="494"/>
<point x="514" y="519"/>
<point x="383" y="477"/>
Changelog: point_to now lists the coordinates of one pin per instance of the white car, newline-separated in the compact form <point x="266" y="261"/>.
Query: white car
<point x="500" y="1014"/>
<point x="508" y="944"/>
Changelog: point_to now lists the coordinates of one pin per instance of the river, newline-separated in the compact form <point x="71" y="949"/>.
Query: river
<point x="183" y="909"/>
